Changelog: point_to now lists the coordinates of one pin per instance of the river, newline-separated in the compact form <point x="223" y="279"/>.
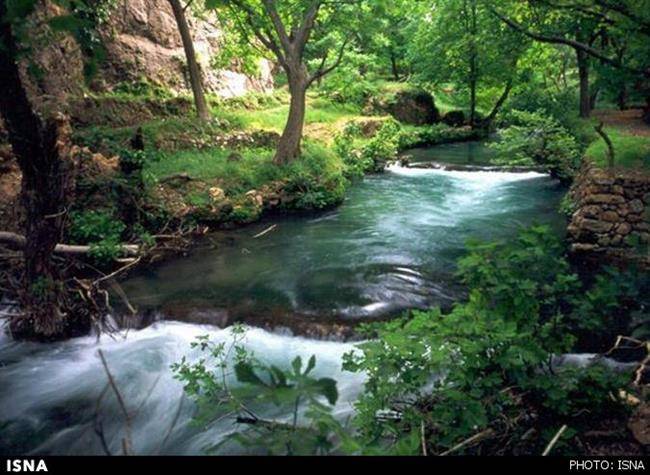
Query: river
<point x="391" y="246"/>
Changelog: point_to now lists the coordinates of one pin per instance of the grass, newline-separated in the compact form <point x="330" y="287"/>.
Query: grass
<point x="254" y="169"/>
<point x="631" y="151"/>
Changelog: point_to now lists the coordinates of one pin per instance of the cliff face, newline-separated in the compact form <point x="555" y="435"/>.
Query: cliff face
<point x="142" y="41"/>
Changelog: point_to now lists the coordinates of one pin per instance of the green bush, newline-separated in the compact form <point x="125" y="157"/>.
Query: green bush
<point x="364" y="156"/>
<point x="230" y="380"/>
<point x="99" y="229"/>
<point x="489" y="360"/>
<point x="536" y="139"/>
<point x="438" y="379"/>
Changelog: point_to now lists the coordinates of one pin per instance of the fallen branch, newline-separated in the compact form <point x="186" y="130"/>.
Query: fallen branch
<point x="472" y="439"/>
<point x="554" y="440"/>
<point x="266" y="231"/>
<point x="18" y="241"/>
<point x="126" y="442"/>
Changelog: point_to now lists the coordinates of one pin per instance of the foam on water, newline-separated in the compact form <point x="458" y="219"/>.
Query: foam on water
<point x="484" y="177"/>
<point x="49" y="394"/>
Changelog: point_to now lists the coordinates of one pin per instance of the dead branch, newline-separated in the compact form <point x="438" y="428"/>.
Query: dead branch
<point x="19" y="241"/>
<point x="554" y="440"/>
<point x="475" y="438"/>
<point x="126" y="441"/>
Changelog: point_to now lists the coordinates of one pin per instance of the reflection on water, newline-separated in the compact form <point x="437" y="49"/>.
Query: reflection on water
<point x="463" y="153"/>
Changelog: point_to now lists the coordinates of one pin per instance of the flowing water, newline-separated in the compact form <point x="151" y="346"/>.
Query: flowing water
<point x="391" y="246"/>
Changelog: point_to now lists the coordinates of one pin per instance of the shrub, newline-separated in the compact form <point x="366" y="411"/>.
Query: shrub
<point x="438" y="379"/>
<point x="101" y="230"/>
<point x="364" y="156"/>
<point x="230" y="380"/>
<point x="535" y="139"/>
<point x="488" y="362"/>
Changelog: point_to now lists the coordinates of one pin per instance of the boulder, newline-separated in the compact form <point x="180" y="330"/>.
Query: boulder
<point x="454" y="118"/>
<point x="415" y="107"/>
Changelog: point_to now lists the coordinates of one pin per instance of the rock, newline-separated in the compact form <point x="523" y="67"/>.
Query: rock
<point x="415" y="107"/>
<point x="370" y="127"/>
<point x="256" y="198"/>
<point x="582" y="247"/>
<point x="639" y="422"/>
<point x="596" y="226"/>
<point x="604" y="199"/>
<point x="636" y="206"/>
<point x="624" y="229"/>
<point x="591" y="211"/>
<point x="141" y="39"/>
<point x="455" y="118"/>
<point x="217" y="194"/>
<point x="610" y="217"/>
<point x="604" y="241"/>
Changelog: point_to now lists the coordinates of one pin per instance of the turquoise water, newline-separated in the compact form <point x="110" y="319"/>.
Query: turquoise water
<point x="391" y="246"/>
<point x="462" y="153"/>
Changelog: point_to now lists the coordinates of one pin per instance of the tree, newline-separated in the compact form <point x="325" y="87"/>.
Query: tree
<point x="41" y="149"/>
<point x="459" y="42"/>
<point x="291" y="30"/>
<point x="579" y="23"/>
<point x="192" y="65"/>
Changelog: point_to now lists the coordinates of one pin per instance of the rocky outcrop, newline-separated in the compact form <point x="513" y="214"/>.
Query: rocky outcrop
<point x="611" y="216"/>
<point x="454" y="118"/>
<point x="410" y="106"/>
<point x="142" y="42"/>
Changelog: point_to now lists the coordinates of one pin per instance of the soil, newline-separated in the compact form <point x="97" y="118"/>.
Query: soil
<point x="628" y="121"/>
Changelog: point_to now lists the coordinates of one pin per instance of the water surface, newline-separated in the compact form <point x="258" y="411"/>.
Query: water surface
<point x="391" y="246"/>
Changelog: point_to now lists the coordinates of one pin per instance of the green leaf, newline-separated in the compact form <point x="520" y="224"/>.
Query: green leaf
<point x="310" y="365"/>
<point x="246" y="374"/>
<point x="327" y="387"/>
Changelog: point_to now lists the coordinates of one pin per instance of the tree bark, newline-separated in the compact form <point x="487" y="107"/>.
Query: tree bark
<point x="583" y="73"/>
<point x="42" y="152"/>
<point x="289" y="145"/>
<point x="192" y="65"/>
<point x="473" y="66"/>
<point x="394" y="66"/>
<point x="499" y="104"/>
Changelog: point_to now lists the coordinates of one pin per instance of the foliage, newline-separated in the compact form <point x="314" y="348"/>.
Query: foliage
<point x="489" y="359"/>
<point x="100" y="230"/>
<point x="364" y="156"/>
<point x="437" y="379"/>
<point x="535" y="139"/>
<point x="229" y="381"/>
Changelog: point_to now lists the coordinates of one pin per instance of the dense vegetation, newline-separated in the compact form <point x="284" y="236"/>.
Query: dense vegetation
<point x="357" y="82"/>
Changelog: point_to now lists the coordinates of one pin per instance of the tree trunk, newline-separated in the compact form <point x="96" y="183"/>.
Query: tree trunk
<point x="499" y="104"/>
<point x="394" y="66"/>
<point x="473" y="66"/>
<point x="289" y="144"/>
<point x="192" y="65"/>
<point x="42" y="152"/>
<point x="583" y="72"/>
<point x="472" y="102"/>
<point x="621" y="98"/>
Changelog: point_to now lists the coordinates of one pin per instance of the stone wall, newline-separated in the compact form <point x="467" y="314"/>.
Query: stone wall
<point x="142" y="41"/>
<point x="611" y="220"/>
